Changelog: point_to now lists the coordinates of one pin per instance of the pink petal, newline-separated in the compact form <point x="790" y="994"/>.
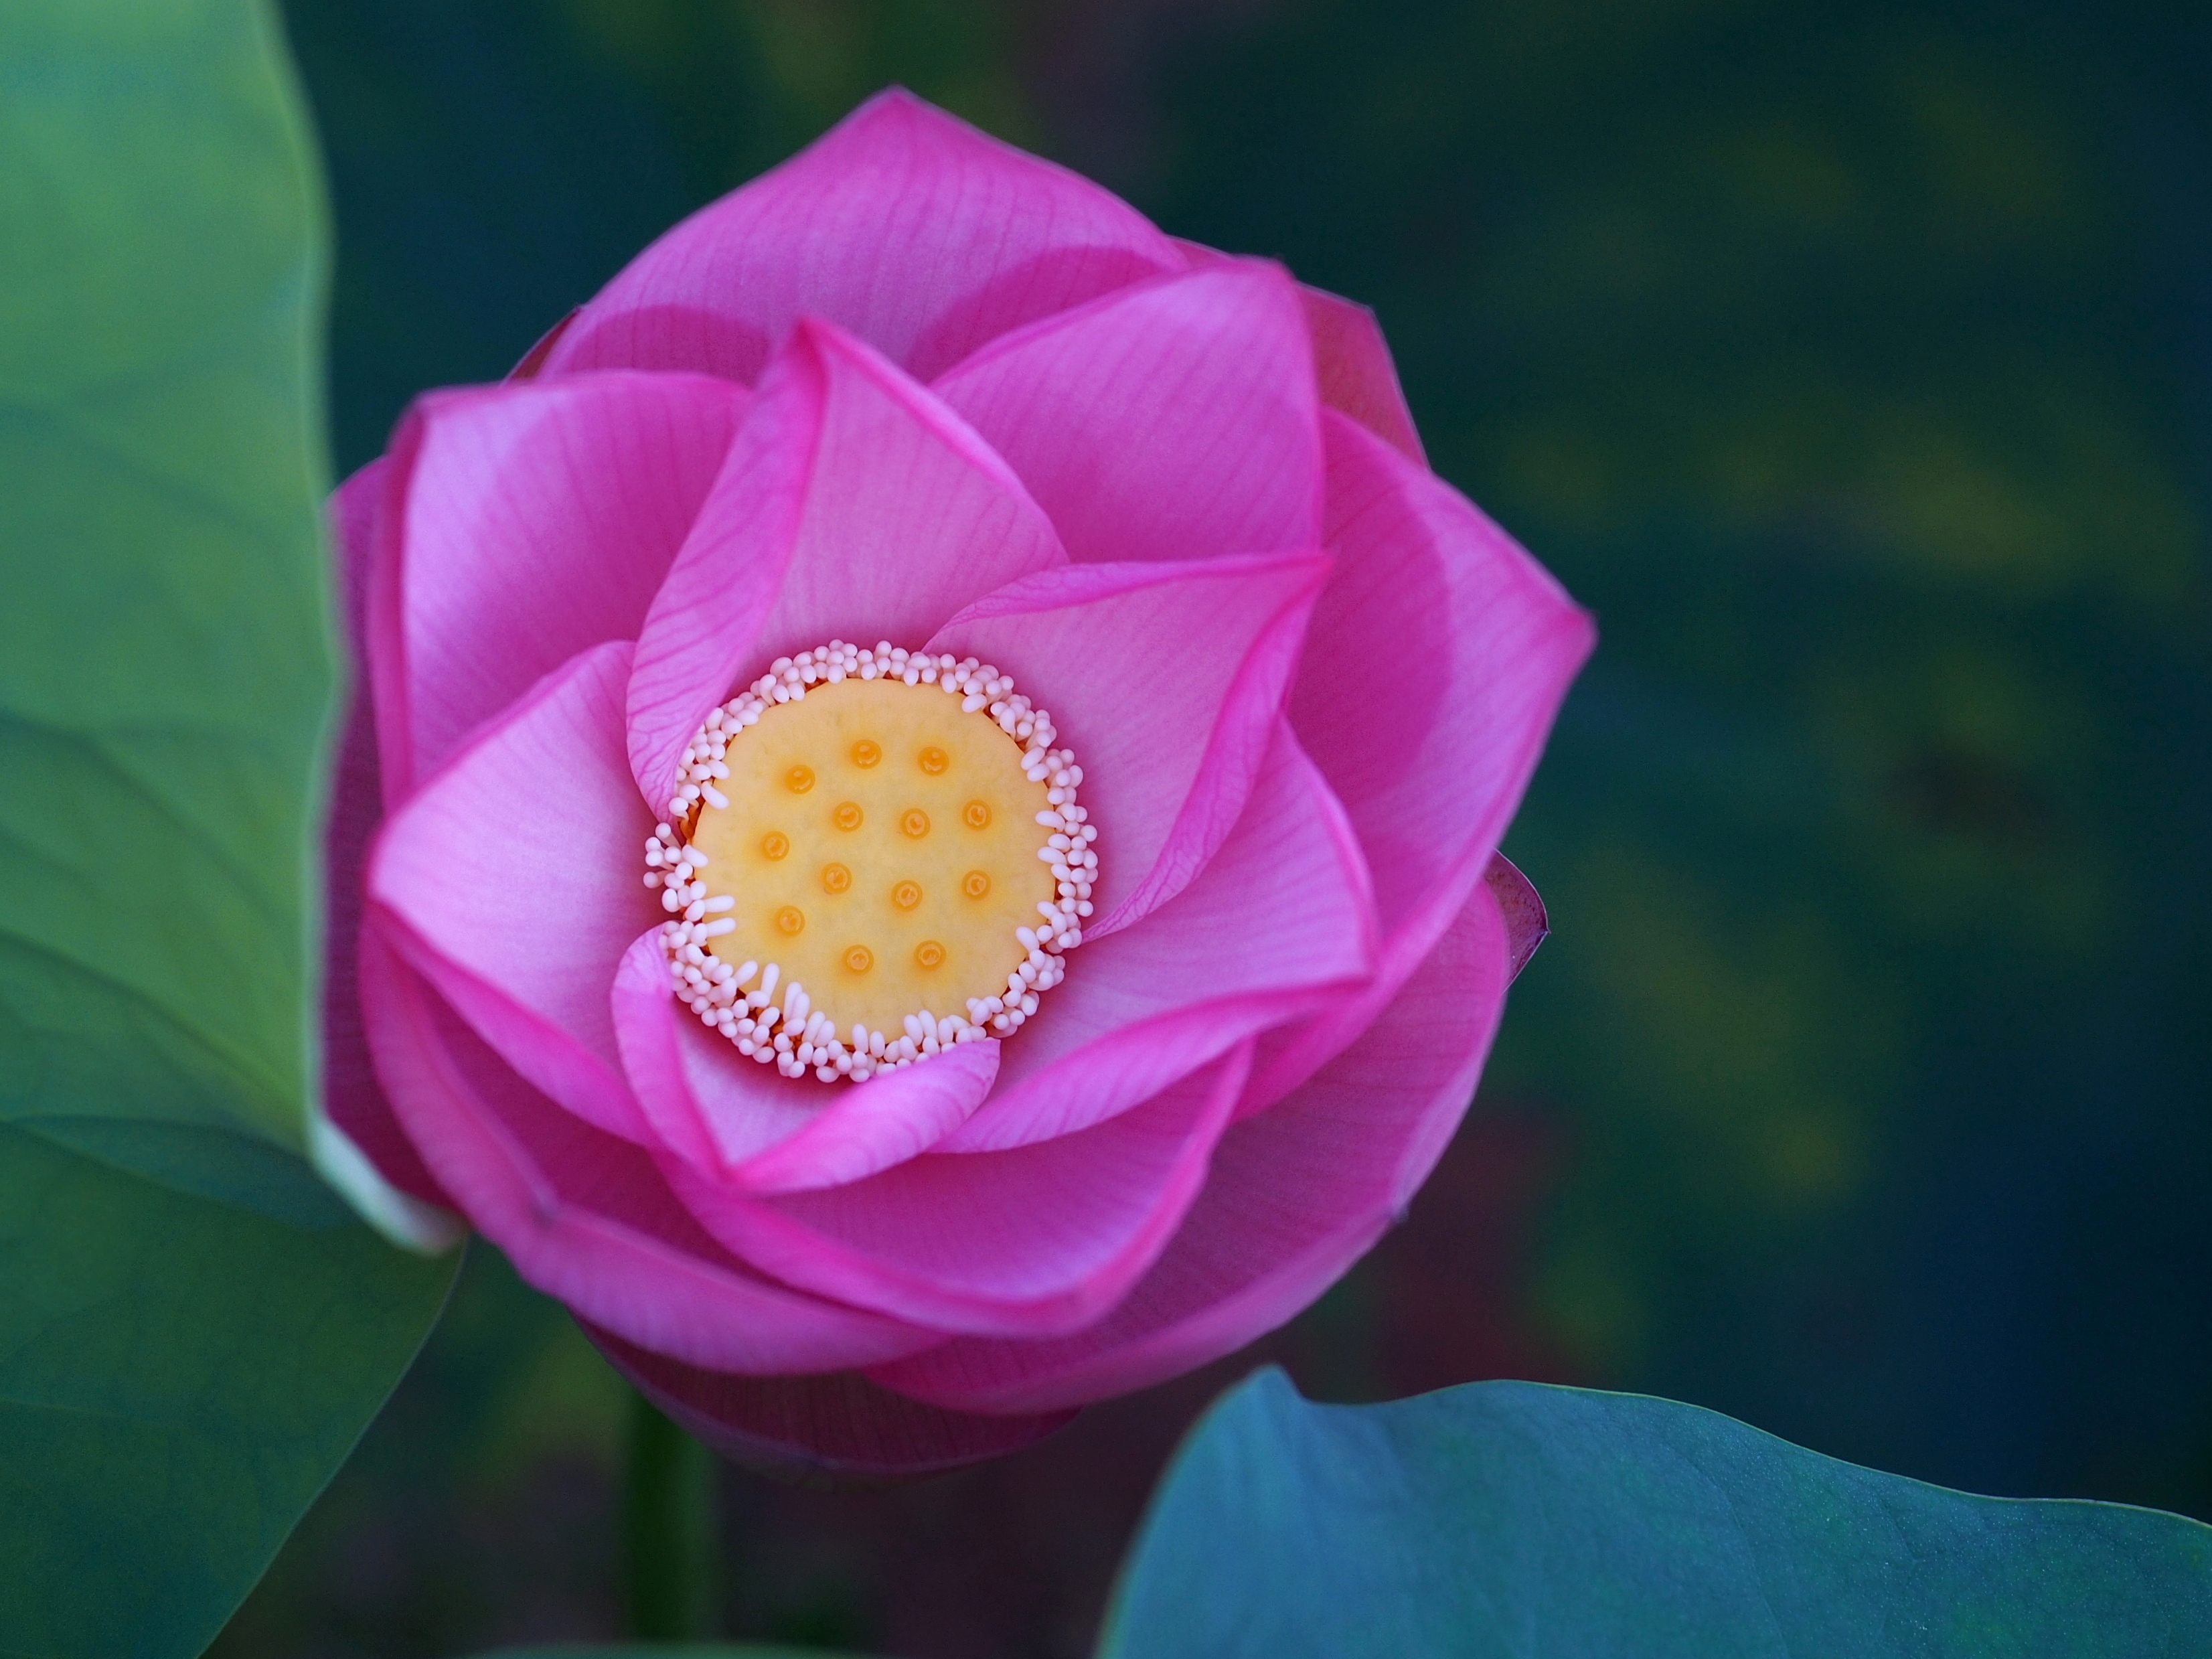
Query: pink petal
<point x="354" y="507"/>
<point x="1038" y="1240"/>
<point x="1281" y="920"/>
<point x="873" y="1125"/>
<point x="910" y="228"/>
<point x="854" y="505"/>
<point x="584" y="1216"/>
<point x="525" y="522"/>
<point x="750" y="1129"/>
<point x="1430" y="761"/>
<point x="1351" y="359"/>
<point x="351" y="1099"/>
<point x="513" y="881"/>
<point x="1166" y="681"/>
<point x="647" y="1036"/>
<point x="1173" y="420"/>
<point x="1295" y="1197"/>
<point x="841" y="1427"/>
<point x="1352" y="363"/>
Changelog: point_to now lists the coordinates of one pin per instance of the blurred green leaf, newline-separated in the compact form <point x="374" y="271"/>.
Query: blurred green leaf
<point x="178" y="1380"/>
<point x="192" y="1331"/>
<point x="1515" y="1518"/>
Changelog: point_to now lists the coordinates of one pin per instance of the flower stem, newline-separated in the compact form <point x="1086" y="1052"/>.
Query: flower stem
<point x="671" y="1530"/>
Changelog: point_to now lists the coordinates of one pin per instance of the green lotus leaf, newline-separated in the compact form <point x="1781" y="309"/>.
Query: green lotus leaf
<point x="1512" y="1518"/>
<point x="193" y="1331"/>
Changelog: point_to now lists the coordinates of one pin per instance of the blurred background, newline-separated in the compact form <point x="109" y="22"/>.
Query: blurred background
<point x="1853" y="362"/>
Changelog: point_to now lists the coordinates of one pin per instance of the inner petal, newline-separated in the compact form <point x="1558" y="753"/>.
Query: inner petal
<point x="874" y="855"/>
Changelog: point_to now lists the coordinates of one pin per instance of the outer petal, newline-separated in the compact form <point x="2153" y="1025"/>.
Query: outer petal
<point x="1281" y="920"/>
<point x="753" y="1130"/>
<point x="1166" y="680"/>
<point x="524" y="523"/>
<point x="1036" y="1241"/>
<point x="1351" y="359"/>
<point x="1528" y="924"/>
<point x="584" y="1216"/>
<point x="835" y="1430"/>
<point x="352" y="1104"/>
<point x="854" y="505"/>
<point x="1430" y="759"/>
<point x="908" y="227"/>
<point x="1295" y="1197"/>
<point x="1358" y="378"/>
<point x="1174" y="420"/>
<point x="511" y="881"/>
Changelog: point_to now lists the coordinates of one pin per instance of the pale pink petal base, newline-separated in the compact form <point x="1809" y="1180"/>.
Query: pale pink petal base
<point x="836" y="1430"/>
<point x="1296" y="1196"/>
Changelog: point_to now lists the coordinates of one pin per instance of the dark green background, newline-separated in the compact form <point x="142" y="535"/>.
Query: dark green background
<point x="1850" y="361"/>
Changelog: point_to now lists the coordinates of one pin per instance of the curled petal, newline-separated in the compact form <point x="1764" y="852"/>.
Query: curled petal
<point x="878" y="1124"/>
<point x="1037" y="1240"/>
<point x="1173" y="420"/>
<point x="906" y="227"/>
<point x="854" y="505"/>
<point x="1168" y="681"/>
<point x="1296" y="1196"/>
<point x="505" y="882"/>
<point x="704" y="1102"/>
<point x="754" y="1131"/>
<point x="838" y="1430"/>
<point x="1527" y="923"/>
<point x="522" y="524"/>
<point x="583" y="1215"/>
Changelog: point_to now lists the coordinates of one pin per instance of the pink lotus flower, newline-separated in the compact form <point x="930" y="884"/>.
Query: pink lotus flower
<point x="1157" y="520"/>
